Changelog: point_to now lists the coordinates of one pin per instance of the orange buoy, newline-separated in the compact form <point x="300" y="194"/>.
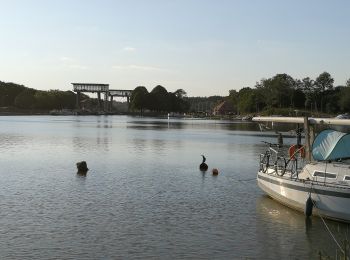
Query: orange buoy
<point x="215" y="171"/>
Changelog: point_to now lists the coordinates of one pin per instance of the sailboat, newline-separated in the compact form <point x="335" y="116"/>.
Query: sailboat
<point x="314" y="177"/>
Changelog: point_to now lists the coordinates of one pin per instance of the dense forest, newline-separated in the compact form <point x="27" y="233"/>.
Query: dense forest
<point x="279" y="94"/>
<point x="284" y="93"/>
<point x="19" y="96"/>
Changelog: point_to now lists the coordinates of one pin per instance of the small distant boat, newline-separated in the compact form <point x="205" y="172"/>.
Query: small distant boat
<point x="343" y="116"/>
<point x="292" y="179"/>
<point x="62" y="112"/>
<point x="247" y="118"/>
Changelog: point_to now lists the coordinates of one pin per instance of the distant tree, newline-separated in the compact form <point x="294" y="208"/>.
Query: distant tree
<point x="234" y="99"/>
<point x="278" y="91"/>
<point x="160" y="99"/>
<point x="25" y="99"/>
<point x="308" y="87"/>
<point x="203" y="104"/>
<point x="348" y="83"/>
<point x="178" y="101"/>
<point x="344" y="98"/>
<point x="180" y="93"/>
<point x="139" y="98"/>
<point x="62" y="99"/>
<point x="43" y="100"/>
<point x="68" y="99"/>
<point x="324" y="82"/>
<point x="247" y="100"/>
<point x="8" y="93"/>
<point x="331" y="100"/>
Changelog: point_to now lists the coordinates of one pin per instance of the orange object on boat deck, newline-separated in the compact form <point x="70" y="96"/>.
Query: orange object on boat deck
<point x="294" y="149"/>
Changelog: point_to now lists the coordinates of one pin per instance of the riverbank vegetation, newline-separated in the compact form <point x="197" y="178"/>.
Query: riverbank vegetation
<point x="15" y="97"/>
<point x="280" y="94"/>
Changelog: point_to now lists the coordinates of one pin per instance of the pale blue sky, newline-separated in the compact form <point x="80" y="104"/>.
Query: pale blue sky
<point x="205" y="47"/>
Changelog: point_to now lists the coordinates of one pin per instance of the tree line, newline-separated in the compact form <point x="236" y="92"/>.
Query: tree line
<point x="272" y="95"/>
<point x="158" y="100"/>
<point x="284" y="92"/>
<point x="19" y="96"/>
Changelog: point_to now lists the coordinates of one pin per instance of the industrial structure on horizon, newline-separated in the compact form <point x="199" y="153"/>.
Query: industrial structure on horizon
<point x="100" y="88"/>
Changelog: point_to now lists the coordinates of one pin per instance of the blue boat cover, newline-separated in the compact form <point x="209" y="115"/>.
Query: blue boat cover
<point x="331" y="145"/>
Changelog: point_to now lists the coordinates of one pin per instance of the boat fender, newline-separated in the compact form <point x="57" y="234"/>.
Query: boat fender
<point x="308" y="207"/>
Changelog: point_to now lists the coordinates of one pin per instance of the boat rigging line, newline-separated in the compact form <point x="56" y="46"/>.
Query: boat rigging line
<point x="323" y="220"/>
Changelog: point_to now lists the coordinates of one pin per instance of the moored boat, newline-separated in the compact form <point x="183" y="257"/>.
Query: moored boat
<point x="325" y="179"/>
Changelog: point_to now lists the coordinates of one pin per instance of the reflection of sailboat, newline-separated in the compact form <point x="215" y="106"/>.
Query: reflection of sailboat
<point x="268" y="208"/>
<point x="287" y="234"/>
<point x="326" y="178"/>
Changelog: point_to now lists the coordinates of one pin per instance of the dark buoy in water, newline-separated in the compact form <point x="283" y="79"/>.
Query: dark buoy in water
<point x="203" y="166"/>
<point x="82" y="168"/>
<point x="215" y="172"/>
<point x="308" y="207"/>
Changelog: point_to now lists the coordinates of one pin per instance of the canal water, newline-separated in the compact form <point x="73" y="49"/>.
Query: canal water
<point x="144" y="196"/>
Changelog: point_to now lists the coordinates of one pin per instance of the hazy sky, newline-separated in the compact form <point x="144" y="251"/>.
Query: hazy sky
<point x="206" y="47"/>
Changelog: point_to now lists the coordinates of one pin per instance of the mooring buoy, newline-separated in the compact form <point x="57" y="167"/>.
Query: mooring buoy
<point x="82" y="168"/>
<point x="215" y="172"/>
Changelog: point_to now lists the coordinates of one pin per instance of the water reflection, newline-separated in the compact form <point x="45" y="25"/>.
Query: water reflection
<point x="293" y="232"/>
<point x="144" y="188"/>
<point x="155" y="125"/>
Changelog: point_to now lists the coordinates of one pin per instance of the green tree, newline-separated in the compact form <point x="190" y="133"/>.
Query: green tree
<point x="234" y="99"/>
<point x="178" y="101"/>
<point x="139" y="98"/>
<point x="278" y="91"/>
<point x="8" y="93"/>
<point x="247" y="100"/>
<point x="68" y="99"/>
<point x="308" y="87"/>
<point x="43" y="100"/>
<point x="25" y="99"/>
<point x="344" y="98"/>
<point x="180" y="93"/>
<point x="160" y="99"/>
<point x="324" y="82"/>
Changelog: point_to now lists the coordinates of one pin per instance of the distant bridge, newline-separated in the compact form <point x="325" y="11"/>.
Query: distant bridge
<point x="100" y="88"/>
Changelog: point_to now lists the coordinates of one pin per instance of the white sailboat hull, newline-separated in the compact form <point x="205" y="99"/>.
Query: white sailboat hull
<point x="331" y="201"/>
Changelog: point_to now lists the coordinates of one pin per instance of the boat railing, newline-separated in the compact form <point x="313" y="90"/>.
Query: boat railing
<point x="275" y="162"/>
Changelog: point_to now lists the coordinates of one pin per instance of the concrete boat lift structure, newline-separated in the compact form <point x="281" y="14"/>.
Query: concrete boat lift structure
<point x="100" y="88"/>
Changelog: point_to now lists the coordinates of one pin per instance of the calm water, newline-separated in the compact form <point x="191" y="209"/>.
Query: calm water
<point x="144" y="196"/>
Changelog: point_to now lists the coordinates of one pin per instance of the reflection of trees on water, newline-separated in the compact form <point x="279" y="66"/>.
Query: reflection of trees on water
<point x="155" y="125"/>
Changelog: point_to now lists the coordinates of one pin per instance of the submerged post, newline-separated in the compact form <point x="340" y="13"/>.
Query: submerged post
<point x="307" y="138"/>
